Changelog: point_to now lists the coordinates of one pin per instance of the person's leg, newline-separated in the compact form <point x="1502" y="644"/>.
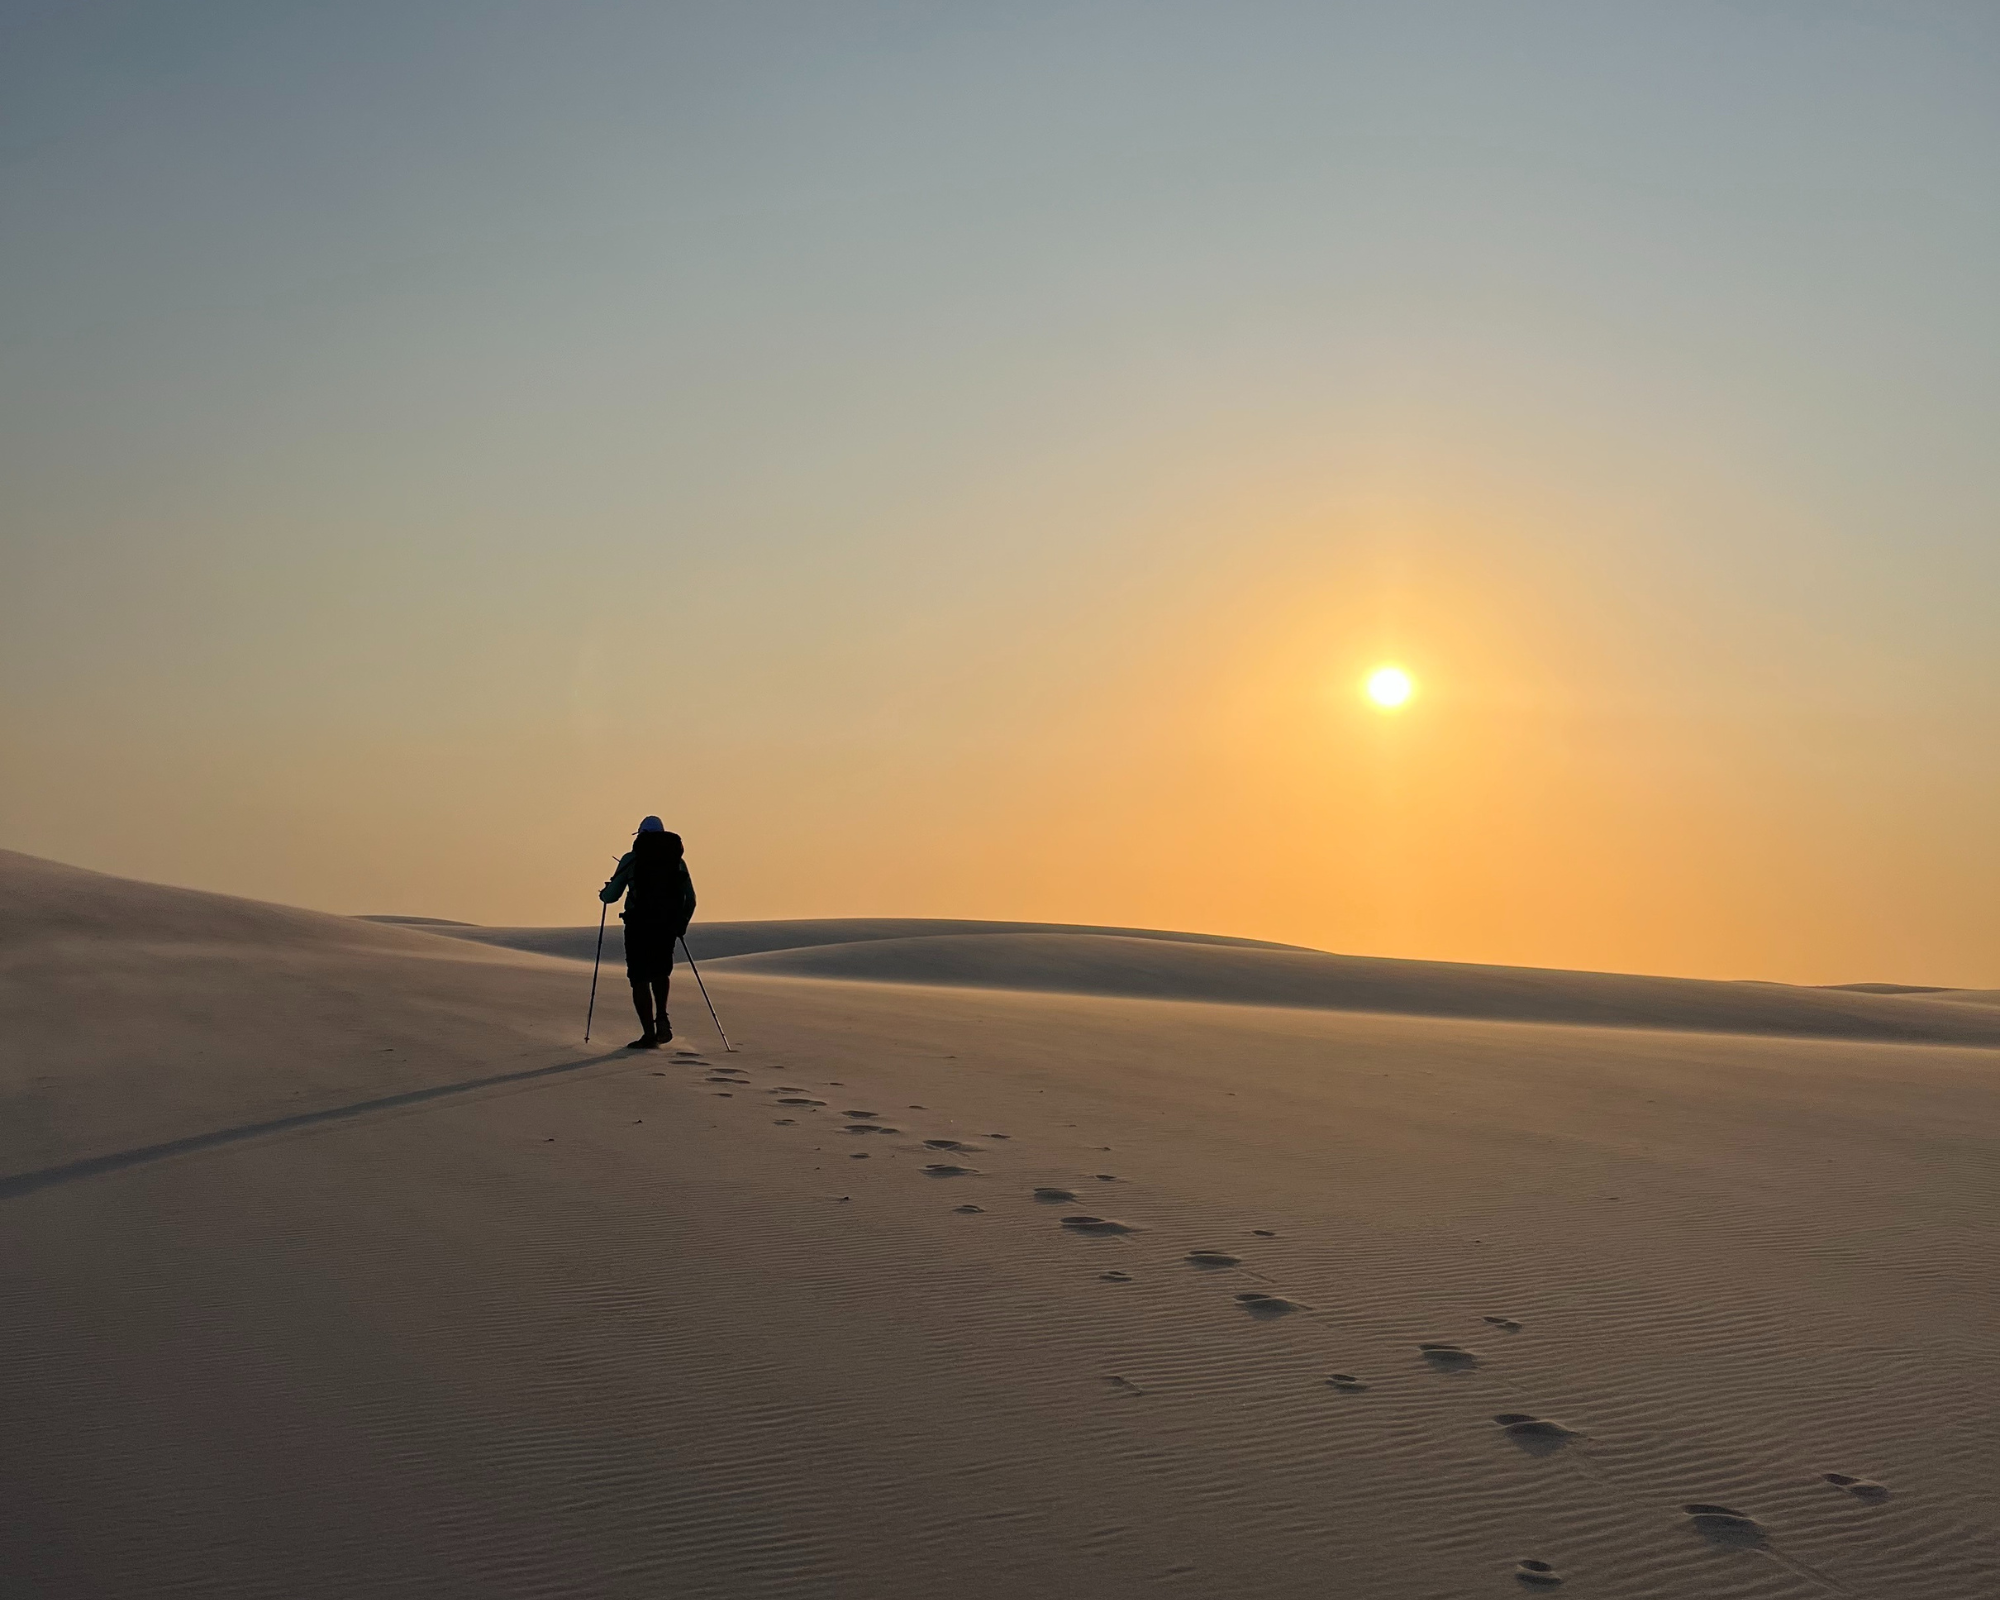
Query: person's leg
<point x="666" y="1028"/>
<point x="642" y="1002"/>
<point x="638" y="957"/>
<point x="662" y="974"/>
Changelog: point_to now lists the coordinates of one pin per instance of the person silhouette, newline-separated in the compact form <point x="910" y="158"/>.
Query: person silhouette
<point x="659" y="903"/>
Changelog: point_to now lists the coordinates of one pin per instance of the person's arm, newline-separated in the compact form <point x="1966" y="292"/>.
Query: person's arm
<point x="620" y="881"/>
<point x="687" y="897"/>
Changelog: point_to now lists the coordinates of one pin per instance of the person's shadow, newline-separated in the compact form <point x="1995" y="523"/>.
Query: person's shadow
<point x="21" y="1183"/>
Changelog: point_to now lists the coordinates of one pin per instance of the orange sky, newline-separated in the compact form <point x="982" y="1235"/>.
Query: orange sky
<point x="963" y="465"/>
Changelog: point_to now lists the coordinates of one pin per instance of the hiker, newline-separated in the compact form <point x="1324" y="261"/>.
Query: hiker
<point x="658" y="907"/>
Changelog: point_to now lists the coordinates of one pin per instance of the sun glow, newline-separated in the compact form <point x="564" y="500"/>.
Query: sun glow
<point x="1390" y="687"/>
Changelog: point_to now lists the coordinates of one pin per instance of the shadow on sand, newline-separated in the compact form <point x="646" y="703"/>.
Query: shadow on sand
<point x="21" y="1183"/>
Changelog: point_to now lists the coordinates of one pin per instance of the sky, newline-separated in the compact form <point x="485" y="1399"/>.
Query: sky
<point x="963" y="459"/>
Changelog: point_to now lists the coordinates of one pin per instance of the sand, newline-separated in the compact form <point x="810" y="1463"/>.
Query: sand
<point x="337" y="1265"/>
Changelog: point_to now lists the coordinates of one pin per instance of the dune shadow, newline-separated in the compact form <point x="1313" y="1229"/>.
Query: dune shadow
<point x="21" y="1183"/>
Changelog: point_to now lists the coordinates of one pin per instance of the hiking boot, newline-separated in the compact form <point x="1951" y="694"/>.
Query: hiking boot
<point x="666" y="1028"/>
<point x="646" y="1041"/>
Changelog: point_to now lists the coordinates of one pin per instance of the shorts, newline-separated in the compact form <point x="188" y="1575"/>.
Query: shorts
<point x="649" y="951"/>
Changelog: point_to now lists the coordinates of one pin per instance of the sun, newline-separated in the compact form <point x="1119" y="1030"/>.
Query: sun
<point x="1390" y="687"/>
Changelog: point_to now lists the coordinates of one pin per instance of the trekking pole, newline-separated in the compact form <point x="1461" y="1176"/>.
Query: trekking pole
<point x="603" y="912"/>
<point x="704" y="993"/>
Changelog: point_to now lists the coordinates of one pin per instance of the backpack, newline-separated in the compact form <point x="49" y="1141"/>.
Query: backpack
<point x="659" y="877"/>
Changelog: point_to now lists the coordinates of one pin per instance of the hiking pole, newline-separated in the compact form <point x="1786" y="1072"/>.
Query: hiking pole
<point x="603" y="912"/>
<point x="704" y="993"/>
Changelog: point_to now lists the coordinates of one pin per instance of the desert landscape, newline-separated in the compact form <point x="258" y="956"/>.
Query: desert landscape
<point x="1316" y="682"/>
<point x="992" y="1261"/>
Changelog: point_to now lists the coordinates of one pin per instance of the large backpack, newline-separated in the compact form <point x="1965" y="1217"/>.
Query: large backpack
<point x="659" y="875"/>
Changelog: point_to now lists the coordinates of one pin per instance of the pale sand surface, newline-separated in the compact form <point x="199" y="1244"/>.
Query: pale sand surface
<point x="335" y="1265"/>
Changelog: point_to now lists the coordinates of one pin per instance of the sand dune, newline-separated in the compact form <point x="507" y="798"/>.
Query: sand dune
<point x="1969" y="997"/>
<point x="1112" y="966"/>
<point x="338" y="1267"/>
<point x="716" y="941"/>
<point x="1062" y="959"/>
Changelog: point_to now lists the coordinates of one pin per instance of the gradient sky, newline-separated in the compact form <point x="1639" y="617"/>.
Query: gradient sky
<point x="960" y="459"/>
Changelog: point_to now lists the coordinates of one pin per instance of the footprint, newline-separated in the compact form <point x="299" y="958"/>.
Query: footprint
<point x="1212" y="1258"/>
<point x="996" y="1136"/>
<point x="1523" y="1425"/>
<point x="1107" y="1177"/>
<point x="913" y="1108"/>
<point x="939" y="1169"/>
<point x="944" y="1144"/>
<point x="786" y="1122"/>
<point x="1264" y="1233"/>
<point x="1504" y="1324"/>
<point x="860" y="1127"/>
<point x="866" y="1116"/>
<point x="800" y="1100"/>
<point x="859" y="1155"/>
<point x="1097" y="1225"/>
<point x="1536" y="1435"/>
<point x="1448" y="1357"/>
<point x="1126" y="1385"/>
<point x="1054" y="1197"/>
<point x="1114" y="1277"/>
<point x="1860" y="1488"/>
<point x="784" y="1088"/>
<point x="1266" y="1305"/>
<point x="724" y="1094"/>
<point x="1722" y="1525"/>
<point x="1345" y="1382"/>
<point x="1537" y="1572"/>
<point x="969" y="1211"/>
